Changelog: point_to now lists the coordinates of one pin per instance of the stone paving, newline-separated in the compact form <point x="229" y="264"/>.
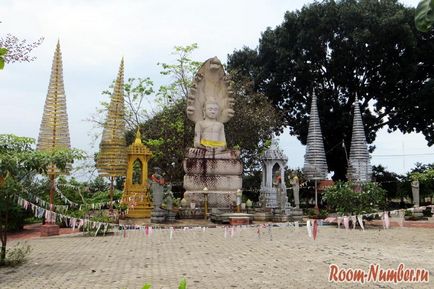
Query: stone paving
<point x="286" y="259"/>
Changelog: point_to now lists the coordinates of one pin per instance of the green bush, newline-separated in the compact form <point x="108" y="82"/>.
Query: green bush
<point x="427" y="212"/>
<point x="17" y="255"/>
<point x="17" y="216"/>
<point x="88" y="228"/>
<point x="314" y="214"/>
<point x="343" y="198"/>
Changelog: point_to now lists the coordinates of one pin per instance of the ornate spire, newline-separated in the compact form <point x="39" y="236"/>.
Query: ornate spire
<point x="315" y="163"/>
<point x="359" y="165"/>
<point x="112" y="158"/>
<point x="54" y="131"/>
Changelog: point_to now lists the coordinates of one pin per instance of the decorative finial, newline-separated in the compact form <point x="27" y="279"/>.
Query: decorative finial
<point x="138" y="140"/>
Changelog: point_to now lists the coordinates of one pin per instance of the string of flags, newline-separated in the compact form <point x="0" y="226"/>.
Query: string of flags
<point x="69" y="204"/>
<point x="93" y="206"/>
<point x="46" y="205"/>
<point x="345" y="220"/>
<point x="228" y="231"/>
<point x="66" y="200"/>
<point x="120" y="229"/>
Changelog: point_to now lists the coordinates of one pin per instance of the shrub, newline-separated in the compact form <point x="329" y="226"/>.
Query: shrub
<point x="427" y="212"/>
<point x="343" y="197"/>
<point x="89" y="229"/>
<point x="17" y="255"/>
<point x="313" y="214"/>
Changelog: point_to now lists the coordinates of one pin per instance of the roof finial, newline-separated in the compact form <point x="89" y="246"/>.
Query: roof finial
<point x="138" y="140"/>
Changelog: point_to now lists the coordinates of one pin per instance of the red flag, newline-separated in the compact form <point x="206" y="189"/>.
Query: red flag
<point x="315" y="229"/>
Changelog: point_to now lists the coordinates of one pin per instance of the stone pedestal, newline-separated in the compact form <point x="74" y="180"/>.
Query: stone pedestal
<point x="295" y="215"/>
<point x="49" y="230"/>
<point x="171" y="217"/>
<point x="262" y="216"/>
<point x="220" y="173"/>
<point x="158" y="216"/>
<point x="281" y="217"/>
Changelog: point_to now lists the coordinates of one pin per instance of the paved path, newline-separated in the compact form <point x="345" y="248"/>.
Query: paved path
<point x="208" y="260"/>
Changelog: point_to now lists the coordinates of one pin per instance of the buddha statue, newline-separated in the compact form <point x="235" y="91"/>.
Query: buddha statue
<point x="210" y="105"/>
<point x="210" y="163"/>
<point x="210" y="133"/>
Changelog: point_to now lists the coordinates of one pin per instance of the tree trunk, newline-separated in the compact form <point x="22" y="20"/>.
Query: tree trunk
<point x="3" y="254"/>
<point x="111" y="195"/>
<point x="3" y="236"/>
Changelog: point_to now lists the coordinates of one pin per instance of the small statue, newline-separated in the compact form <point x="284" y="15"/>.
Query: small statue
<point x="157" y="188"/>
<point x="296" y="189"/>
<point x="415" y="192"/>
<point x="210" y="104"/>
<point x="168" y="198"/>
<point x="281" y="198"/>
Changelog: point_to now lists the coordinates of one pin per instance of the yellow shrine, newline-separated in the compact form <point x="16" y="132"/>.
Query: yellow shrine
<point x="136" y="191"/>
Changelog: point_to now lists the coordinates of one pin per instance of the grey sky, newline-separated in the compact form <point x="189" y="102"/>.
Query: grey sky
<point x="94" y="35"/>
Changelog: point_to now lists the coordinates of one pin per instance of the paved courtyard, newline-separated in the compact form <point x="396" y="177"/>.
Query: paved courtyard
<point x="286" y="259"/>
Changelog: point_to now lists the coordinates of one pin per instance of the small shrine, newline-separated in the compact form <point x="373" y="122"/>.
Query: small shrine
<point x="136" y="191"/>
<point x="273" y="188"/>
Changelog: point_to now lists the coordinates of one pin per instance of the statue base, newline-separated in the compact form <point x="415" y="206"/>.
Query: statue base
<point x="219" y="172"/>
<point x="139" y="204"/>
<point x="295" y="214"/>
<point x="158" y="216"/>
<point x="48" y="230"/>
<point x="139" y="212"/>
<point x="216" y="199"/>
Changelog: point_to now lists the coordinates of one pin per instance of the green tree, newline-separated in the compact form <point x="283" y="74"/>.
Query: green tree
<point x="137" y="94"/>
<point x="389" y="181"/>
<point x="424" y="18"/>
<point x="345" y="200"/>
<point x="164" y="134"/>
<point x="181" y="73"/>
<point x="340" y="50"/>
<point x="3" y="52"/>
<point x="425" y="175"/>
<point x="18" y="164"/>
